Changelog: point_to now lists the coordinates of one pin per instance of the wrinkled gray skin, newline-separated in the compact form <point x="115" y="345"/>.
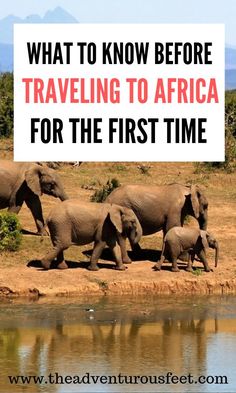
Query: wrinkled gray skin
<point x="162" y="207"/>
<point x="76" y="222"/>
<point x="26" y="182"/>
<point x="193" y="240"/>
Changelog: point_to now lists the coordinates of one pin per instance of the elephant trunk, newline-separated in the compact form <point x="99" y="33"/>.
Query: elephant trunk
<point x="216" y="253"/>
<point x="202" y="220"/>
<point x="136" y="234"/>
<point x="63" y="196"/>
<point x="59" y="191"/>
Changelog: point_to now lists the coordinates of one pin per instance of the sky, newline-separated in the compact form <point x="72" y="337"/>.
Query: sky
<point x="134" y="11"/>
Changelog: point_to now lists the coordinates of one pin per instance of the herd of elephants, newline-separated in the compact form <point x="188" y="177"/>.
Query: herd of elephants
<point x="129" y="211"/>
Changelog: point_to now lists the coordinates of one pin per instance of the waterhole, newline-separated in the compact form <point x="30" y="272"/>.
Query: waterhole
<point x="160" y="344"/>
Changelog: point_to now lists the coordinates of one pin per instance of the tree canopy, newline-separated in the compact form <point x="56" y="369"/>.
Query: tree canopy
<point x="6" y="104"/>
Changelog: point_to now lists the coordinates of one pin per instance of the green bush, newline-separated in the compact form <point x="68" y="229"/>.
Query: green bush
<point x="144" y="169"/>
<point x="101" y="194"/>
<point x="229" y="165"/>
<point x="6" y="104"/>
<point x="10" y="235"/>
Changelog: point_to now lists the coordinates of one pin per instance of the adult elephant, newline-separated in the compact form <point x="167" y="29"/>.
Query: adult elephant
<point x="162" y="207"/>
<point x="26" y="182"/>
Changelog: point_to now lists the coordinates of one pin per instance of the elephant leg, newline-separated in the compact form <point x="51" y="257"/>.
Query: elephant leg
<point x="61" y="264"/>
<point x="189" y="267"/>
<point x="174" y="265"/>
<point x="158" y="265"/>
<point x="202" y="257"/>
<point x="34" y="204"/>
<point x="97" y="250"/>
<point x="117" y="254"/>
<point x="14" y="209"/>
<point x="49" y="257"/>
<point x="165" y="255"/>
<point x="15" y="203"/>
<point x="163" y="240"/>
<point x="124" y="254"/>
<point x="184" y="256"/>
<point x="135" y="248"/>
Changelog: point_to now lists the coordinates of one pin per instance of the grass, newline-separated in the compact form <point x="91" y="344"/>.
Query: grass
<point x="117" y="168"/>
<point x="101" y="283"/>
<point x="197" y="272"/>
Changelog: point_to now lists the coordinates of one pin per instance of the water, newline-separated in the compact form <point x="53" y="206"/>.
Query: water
<point x="65" y="340"/>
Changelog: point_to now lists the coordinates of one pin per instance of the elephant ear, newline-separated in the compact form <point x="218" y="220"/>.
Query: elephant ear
<point x="203" y="235"/>
<point x="195" y="201"/>
<point x="32" y="178"/>
<point x="115" y="217"/>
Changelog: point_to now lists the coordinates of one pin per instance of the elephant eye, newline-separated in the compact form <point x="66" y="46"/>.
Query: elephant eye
<point x="52" y="185"/>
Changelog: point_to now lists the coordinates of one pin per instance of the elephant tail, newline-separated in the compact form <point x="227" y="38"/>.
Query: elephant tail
<point x="216" y="254"/>
<point x="44" y="232"/>
<point x="163" y="250"/>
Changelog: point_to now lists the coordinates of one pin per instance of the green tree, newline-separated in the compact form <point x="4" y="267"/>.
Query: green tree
<point x="229" y="164"/>
<point x="6" y="104"/>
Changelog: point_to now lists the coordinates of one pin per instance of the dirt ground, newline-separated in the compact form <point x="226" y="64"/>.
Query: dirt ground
<point x="22" y="275"/>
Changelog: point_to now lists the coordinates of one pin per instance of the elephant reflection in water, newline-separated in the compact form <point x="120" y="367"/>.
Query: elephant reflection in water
<point x="184" y="343"/>
<point x="9" y="344"/>
<point x="120" y="345"/>
<point x="19" y="357"/>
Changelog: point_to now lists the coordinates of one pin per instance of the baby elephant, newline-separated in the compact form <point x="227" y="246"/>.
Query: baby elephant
<point x="76" y="222"/>
<point x="192" y="240"/>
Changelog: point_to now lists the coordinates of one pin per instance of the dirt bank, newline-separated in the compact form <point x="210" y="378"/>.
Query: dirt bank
<point x="139" y="278"/>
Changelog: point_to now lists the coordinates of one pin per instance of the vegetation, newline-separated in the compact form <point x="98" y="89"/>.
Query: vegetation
<point x="6" y="104"/>
<point x="144" y="169"/>
<point x="197" y="272"/>
<point x="230" y="129"/>
<point x="101" y="194"/>
<point x="229" y="164"/>
<point x="10" y="235"/>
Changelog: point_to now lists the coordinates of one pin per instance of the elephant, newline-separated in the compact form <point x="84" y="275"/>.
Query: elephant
<point x="76" y="222"/>
<point x="26" y="182"/>
<point x="162" y="207"/>
<point x="193" y="240"/>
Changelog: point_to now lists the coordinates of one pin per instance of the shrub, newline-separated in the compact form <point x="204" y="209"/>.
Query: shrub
<point x="10" y="235"/>
<point x="229" y="165"/>
<point x="6" y="107"/>
<point x="144" y="169"/>
<point x="101" y="194"/>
